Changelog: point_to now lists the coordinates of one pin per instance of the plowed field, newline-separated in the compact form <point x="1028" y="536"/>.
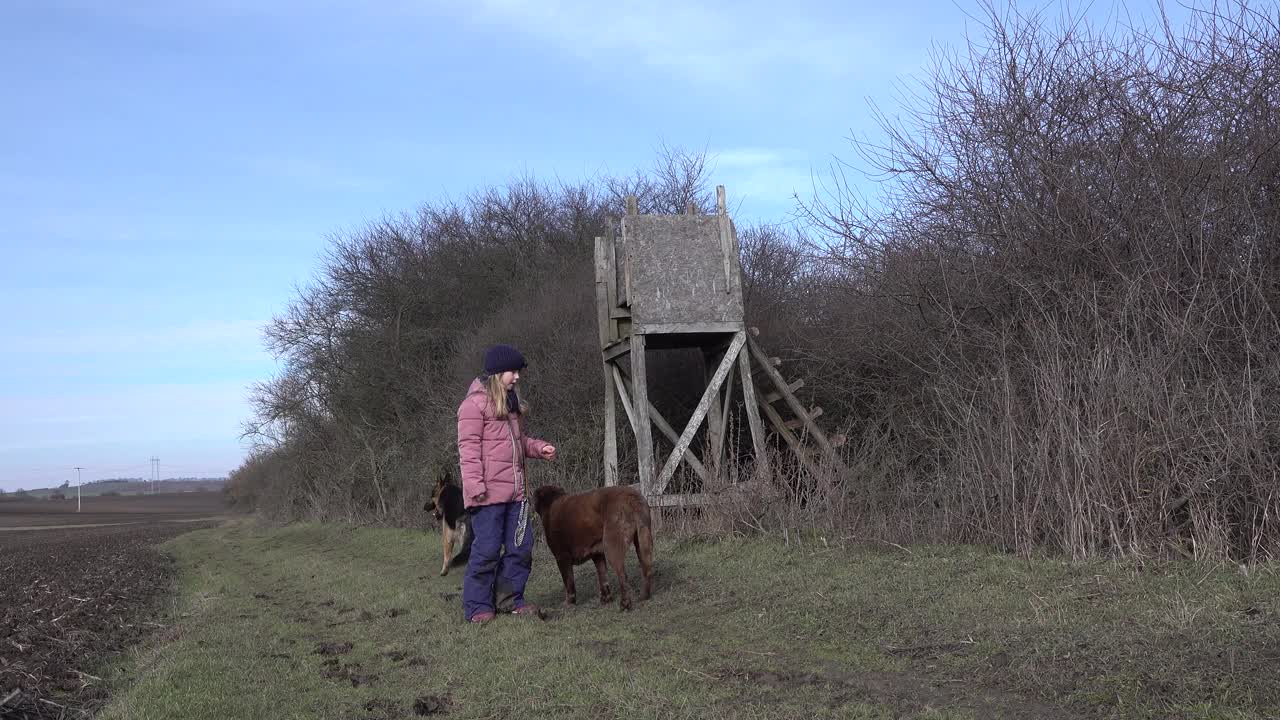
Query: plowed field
<point x="76" y="589"/>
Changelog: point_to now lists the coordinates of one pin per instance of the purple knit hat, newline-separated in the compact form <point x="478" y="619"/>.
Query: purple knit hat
<point x="502" y="358"/>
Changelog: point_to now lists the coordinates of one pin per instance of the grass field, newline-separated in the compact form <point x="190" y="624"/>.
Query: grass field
<point x="738" y="628"/>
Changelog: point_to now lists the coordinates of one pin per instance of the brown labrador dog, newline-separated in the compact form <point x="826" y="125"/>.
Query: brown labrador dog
<point x="597" y="526"/>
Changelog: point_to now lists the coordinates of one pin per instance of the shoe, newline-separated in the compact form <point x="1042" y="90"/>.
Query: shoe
<point x="481" y="617"/>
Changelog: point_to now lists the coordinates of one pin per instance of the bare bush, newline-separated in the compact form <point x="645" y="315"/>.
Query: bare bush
<point x="1064" y="314"/>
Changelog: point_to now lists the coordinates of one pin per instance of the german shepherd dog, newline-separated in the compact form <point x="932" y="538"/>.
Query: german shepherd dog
<point x="597" y="526"/>
<point x="455" y="523"/>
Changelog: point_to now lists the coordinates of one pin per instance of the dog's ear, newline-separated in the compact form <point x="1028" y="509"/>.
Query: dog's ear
<point x="446" y="476"/>
<point x="544" y="496"/>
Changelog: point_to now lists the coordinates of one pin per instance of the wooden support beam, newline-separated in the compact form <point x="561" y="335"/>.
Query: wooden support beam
<point x="602" y="292"/>
<point x="604" y="325"/>
<point x="617" y="350"/>
<point x="774" y="397"/>
<point x="644" y="436"/>
<point x="771" y="362"/>
<point x="790" y="397"/>
<point x="715" y="419"/>
<point x="689" y="457"/>
<point x="623" y="263"/>
<point x="610" y="433"/>
<point x="616" y="302"/>
<point x="623" y="394"/>
<point x="727" y="246"/>
<point x="718" y="450"/>
<point x="758" y="444"/>
<point x="700" y="411"/>
<point x="709" y="328"/>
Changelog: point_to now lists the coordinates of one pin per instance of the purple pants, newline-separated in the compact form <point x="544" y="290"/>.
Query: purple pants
<point x="498" y="568"/>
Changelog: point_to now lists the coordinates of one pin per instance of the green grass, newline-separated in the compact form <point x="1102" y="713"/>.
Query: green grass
<point x="738" y="628"/>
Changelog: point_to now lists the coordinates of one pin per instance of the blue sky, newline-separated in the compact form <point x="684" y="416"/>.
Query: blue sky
<point x="170" y="171"/>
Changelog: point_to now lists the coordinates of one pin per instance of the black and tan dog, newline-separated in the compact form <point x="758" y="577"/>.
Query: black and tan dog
<point x="455" y="523"/>
<point x="597" y="526"/>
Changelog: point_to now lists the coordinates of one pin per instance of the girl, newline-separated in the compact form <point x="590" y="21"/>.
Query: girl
<point x="492" y="448"/>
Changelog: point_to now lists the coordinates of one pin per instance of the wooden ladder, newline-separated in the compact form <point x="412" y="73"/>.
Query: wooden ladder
<point x="787" y="414"/>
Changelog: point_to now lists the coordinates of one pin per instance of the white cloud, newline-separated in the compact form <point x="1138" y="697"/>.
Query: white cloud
<point x="723" y="47"/>
<point x="762" y="183"/>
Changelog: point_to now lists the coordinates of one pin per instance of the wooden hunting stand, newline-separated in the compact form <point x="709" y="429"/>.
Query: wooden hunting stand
<point x="674" y="281"/>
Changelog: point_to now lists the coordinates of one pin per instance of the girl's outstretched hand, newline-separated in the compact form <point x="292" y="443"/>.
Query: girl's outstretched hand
<point x="548" y="452"/>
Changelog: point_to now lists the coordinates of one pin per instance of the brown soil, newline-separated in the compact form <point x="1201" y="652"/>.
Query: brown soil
<point x="136" y="509"/>
<point x="70" y="600"/>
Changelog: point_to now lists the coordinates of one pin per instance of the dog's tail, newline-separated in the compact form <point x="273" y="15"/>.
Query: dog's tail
<point x="644" y="542"/>
<point x="644" y="552"/>
<point x="465" y="553"/>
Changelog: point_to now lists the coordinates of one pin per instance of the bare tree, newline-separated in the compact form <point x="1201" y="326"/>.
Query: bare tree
<point x="1064" y="311"/>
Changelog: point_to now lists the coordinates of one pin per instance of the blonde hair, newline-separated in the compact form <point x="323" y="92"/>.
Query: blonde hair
<point x="497" y="393"/>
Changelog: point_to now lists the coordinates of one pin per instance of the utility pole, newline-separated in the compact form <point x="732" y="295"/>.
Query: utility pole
<point x="78" y="469"/>
<point x="155" y="473"/>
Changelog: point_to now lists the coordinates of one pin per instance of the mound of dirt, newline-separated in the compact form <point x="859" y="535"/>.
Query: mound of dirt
<point x="432" y="705"/>
<point x="333" y="648"/>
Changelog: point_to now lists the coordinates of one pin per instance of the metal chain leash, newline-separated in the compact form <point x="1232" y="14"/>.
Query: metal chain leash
<point x="522" y="524"/>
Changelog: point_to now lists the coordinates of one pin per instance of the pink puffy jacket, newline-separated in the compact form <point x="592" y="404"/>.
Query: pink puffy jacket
<point x="489" y="450"/>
